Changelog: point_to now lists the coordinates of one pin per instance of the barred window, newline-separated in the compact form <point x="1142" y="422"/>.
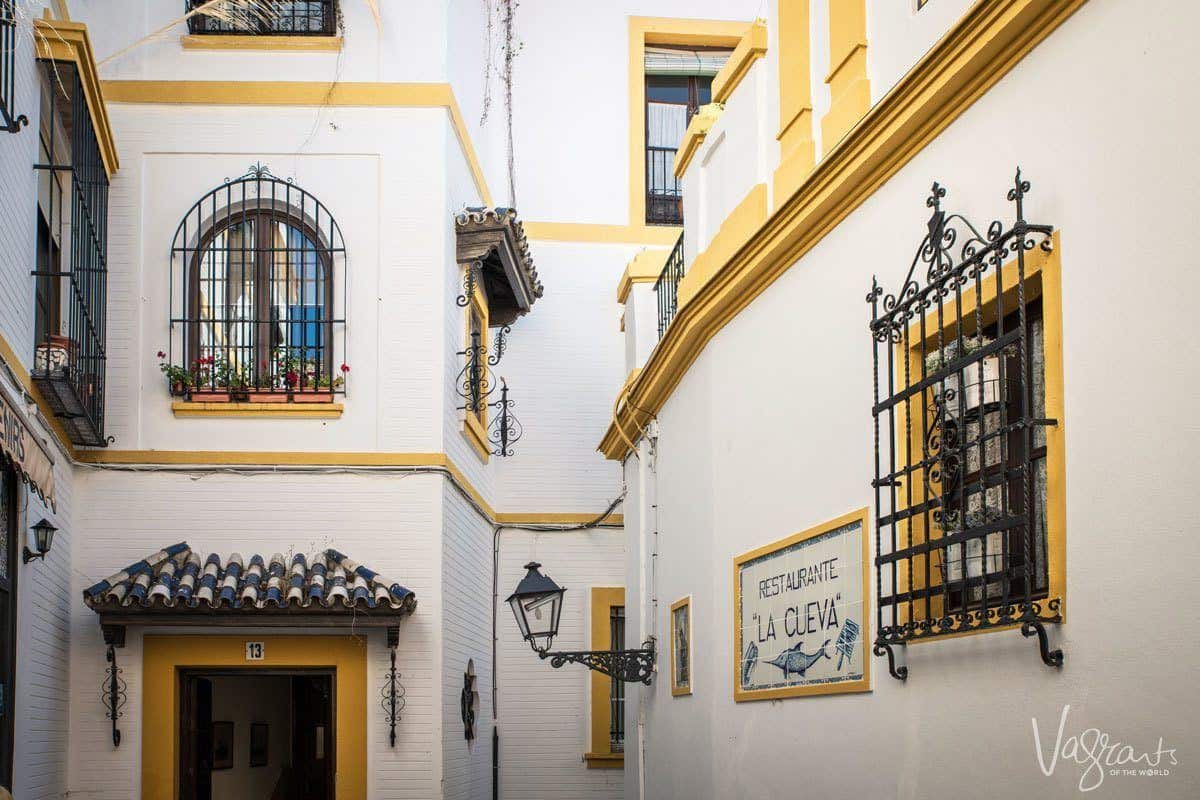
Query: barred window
<point x="280" y="18"/>
<point x="964" y="541"/>
<point x="255" y="264"/>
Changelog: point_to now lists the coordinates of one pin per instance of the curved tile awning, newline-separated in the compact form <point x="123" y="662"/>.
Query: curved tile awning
<point x="178" y="584"/>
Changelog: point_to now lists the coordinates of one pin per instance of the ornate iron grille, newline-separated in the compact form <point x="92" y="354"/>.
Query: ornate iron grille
<point x="959" y="439"/>
<point x="664" y="194"/>
<point x="69" y="355"/>
<point x="666" y="288"/>
<point x="254" y="311"/>
<point x="9" y="119"/>
<point x="281" y="18"/>
<point x="616" y="692"/>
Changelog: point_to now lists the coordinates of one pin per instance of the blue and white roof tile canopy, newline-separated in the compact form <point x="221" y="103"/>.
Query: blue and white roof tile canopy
<point x="178" y="578"/>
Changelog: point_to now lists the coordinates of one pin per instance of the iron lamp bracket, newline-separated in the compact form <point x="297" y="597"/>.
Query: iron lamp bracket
<point x="628" y="666"/>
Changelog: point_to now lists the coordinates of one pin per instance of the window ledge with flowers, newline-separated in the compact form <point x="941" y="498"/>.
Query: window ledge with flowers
<point x="285" y="387"/>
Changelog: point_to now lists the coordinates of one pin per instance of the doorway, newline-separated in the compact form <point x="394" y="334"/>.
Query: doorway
<point x="257" y="734"/>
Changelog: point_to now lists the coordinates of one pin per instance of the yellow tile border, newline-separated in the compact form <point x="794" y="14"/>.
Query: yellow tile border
<point x="697" y="129"/>
<point x="306" y="93"/>
<point x="979" y="50"/>
<point x="194" y="409"/>
<point x="293" y="44"/>
<point x="752" y="47"/>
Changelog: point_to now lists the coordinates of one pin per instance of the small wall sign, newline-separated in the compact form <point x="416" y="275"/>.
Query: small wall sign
<point x="255" y="651"/>
<point x="800" y="614"/>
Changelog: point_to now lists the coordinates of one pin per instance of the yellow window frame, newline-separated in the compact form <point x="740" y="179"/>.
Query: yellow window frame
<point x="475" y="423"/>
<point x="1043" y="280"/>
<point x="601" y="756"/>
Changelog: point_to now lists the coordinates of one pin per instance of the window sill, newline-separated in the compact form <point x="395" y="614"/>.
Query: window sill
<point x="604" y="760"/>
<point x="258" y="410"/>
<point x="295" y="44"/>
<point x="476" y="435"/>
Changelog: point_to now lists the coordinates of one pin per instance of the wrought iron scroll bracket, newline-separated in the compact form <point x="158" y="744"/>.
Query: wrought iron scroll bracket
<point x="500" y="345"/>
<point x="883" y="648"/>
<point x="628" y="666"/>
<point x="473" y="271"/>
<point x="392" y="693"/>
<point x="114" y="688"/>
<point x="1052" y="658"/>
<point x="505" y="429"/>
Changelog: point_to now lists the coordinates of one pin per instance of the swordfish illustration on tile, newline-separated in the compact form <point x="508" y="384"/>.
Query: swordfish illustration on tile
<point x="795" y="660"/>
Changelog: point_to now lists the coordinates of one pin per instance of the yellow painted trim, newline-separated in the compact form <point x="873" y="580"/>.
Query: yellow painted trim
<point x="752" y="47"/>
<point x="735" y="231"/>
<point x="973" y="56"/>
<point x="474" y="425"/>
<point x="307" y="93"/>
<point x="164" y="656"/>
<point x="337" y="459"/>
<point x="603" y="598"/>
<point x="645" y="267"/>
<point x="797" y="150"/>
<point x="697" y="129"/>
<point x="193" y="409"/>
<point x="604" y="760"/>
<point x="63" y="40"/>
<point x="661" y="30"/>
<point x="294" y="44"/>
<point x="1043" y="279"/>
<point x="678" y="690"/>
<point x="849" y="86"/>
<point x="849" y="687"/>
<point x="602" y="234"/>
<point x="61" y="10"/>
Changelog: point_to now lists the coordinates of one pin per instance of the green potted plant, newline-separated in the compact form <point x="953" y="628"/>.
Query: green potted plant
<point x="210" y="380"/>
<point x="178" y="378"/>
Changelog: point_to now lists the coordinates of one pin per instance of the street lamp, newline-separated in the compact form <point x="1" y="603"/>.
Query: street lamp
<point x="43" y="537"/>
<point x="537" y="605"/>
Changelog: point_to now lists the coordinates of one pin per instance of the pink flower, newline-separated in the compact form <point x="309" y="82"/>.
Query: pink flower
<point x="161" y="354"/>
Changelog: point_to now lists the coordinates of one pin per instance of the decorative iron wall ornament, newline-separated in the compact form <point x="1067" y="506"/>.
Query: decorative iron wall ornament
<point x="505" y="429"/>
<point x="472" y="274"/>
<point x="258" y="295"/>
<point x="475" y="382"/>
<point x="468" y="700"/>
<point x="500" y="345"/>
<point x="391" y="694"/>
<point x="113" y="689"/>
<point x="958" y="429"/>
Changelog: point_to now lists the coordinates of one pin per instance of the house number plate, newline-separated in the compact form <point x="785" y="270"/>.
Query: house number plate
<point x="254" y="651"/>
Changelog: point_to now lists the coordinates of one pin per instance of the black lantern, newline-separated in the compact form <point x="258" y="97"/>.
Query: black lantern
<point x="43" y="537"/>
<point x="537" y="605"/>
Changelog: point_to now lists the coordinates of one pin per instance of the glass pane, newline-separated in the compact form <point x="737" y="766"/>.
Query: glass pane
<point x="5" y="513"/>
<point x="665" y="124"/>
<point x="226" y="304"/>
<point x="1037" y="362"/>
<point x="667" y="89"/>
<point x="298" y="313"/>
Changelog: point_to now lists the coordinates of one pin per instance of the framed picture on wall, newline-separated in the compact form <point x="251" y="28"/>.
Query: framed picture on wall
<point x="681" y="646"/>
<point x="222" y="745"/>
<point x="258" y="744"/>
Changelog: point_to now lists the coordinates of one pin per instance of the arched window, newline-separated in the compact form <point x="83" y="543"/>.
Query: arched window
<point x="255" y="266"/>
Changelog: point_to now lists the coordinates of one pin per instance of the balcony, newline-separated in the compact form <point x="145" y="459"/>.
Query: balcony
<point x="666" y="288"/>
<point x="664" y="194"/>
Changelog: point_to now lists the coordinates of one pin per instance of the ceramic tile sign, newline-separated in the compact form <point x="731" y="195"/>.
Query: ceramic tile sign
<point x="800" y="613"/>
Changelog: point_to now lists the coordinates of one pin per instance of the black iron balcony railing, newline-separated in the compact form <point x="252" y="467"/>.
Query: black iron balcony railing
<point x="664" y="195"/>
<point x="69" y="359"/>
<point x="666" y="288"/>
<point x="10" y="120"/>
<point x="279" y="18"/>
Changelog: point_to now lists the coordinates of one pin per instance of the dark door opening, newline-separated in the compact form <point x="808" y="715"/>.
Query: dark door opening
<point x="256" y="734"/>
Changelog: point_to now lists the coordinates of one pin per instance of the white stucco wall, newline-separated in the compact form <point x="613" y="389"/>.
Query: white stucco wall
<point x="784" y="449"/>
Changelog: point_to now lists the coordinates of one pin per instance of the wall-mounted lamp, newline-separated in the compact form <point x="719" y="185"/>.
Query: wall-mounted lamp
<point x="43" y="537"/>
<point x="537" y="605"/>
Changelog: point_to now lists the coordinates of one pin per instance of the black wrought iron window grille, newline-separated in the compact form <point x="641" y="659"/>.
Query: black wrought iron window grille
<point x="960" y="445"/>
<point x="277" y="18"/>
<point x="258" y="294"/>
<point x="10" y="120"/>
<point x="71" y="271"/>
<point x="666" y="288"/>
<point x="476" y="382"/>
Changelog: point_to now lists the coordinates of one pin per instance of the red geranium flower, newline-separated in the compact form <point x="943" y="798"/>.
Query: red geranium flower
<point x="345" y="367"/>
<point x="161" y="354"/>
